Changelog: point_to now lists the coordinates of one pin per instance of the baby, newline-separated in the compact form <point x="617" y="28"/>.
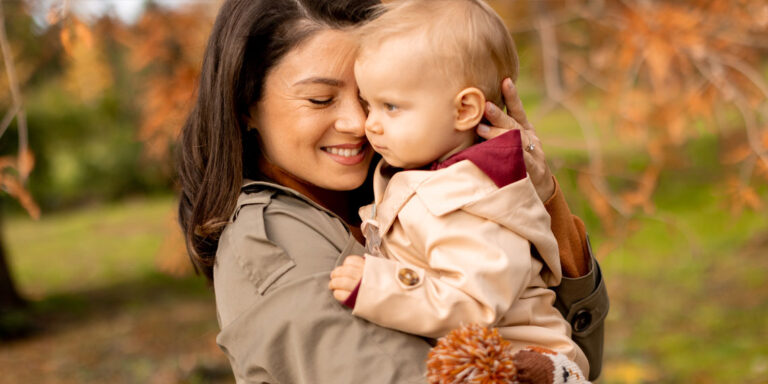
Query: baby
<point x="457" y="234"/>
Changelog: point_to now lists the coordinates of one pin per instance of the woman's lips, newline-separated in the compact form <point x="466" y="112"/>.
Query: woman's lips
<point x="347" y="154"/>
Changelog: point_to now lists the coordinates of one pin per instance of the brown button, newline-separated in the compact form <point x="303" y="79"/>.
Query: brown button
<point x="408" y="276"/>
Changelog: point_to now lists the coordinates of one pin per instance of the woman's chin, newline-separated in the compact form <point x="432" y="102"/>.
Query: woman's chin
<point x="346" y="183"/>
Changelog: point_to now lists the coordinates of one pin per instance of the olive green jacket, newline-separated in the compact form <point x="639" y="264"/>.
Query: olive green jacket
<point x="280" y="323"/>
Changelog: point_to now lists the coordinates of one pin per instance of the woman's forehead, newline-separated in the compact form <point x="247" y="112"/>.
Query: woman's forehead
<point x="326" y="57"/>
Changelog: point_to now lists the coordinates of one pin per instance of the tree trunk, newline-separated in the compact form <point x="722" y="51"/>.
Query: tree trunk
<point x="9" y="296"/>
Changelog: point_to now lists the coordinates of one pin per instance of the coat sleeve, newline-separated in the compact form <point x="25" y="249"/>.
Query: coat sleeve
<point x="581" y="296"/>
<point x="289" y="329"/>
<point x="476" y="271"/>
<point x="571" y="236"/>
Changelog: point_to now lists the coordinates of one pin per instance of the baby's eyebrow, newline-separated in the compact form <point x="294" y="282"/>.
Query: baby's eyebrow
<point x="320" y="80"/>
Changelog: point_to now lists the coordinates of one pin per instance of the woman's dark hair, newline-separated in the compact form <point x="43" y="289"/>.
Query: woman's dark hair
<point x="216" y="150"/>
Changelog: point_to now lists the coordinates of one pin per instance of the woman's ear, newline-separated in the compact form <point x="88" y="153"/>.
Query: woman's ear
<point x="251" y="117"/>
<point x="470" y="106"/>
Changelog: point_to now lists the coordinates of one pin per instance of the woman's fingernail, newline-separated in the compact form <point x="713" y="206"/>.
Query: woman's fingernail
<point x="482" y="128"/>
<point x="508" y="83"/>
<point x="490" y="107"/>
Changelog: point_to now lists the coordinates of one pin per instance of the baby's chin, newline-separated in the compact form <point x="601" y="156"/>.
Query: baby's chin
<point x="399" y="163"/>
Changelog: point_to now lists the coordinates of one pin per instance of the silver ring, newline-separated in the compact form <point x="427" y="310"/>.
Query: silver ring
<point x="530" y="147"/>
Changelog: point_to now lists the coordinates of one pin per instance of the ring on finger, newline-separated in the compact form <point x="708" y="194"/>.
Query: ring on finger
<point x="530" y="147"/>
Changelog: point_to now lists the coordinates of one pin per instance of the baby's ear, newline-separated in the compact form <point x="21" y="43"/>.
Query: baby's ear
<point x="470" y="106"/>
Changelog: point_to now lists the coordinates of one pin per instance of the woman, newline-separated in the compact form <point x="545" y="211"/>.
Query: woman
<point x="273" y="162"/>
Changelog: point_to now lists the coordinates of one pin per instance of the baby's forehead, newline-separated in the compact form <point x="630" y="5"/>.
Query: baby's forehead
<point x="416" y="47"/>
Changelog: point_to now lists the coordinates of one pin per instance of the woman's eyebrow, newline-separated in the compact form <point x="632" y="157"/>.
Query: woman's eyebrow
<point x="320" y="80"/>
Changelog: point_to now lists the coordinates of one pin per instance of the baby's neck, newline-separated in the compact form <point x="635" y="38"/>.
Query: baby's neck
<point x="469" y="141"/>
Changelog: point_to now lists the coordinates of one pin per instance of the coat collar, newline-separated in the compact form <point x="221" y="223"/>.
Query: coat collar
<point x="464" y="186"/>
<point x="500" y="158"/>
<point x="441" y="191"/>
<point x="246" y="198"/>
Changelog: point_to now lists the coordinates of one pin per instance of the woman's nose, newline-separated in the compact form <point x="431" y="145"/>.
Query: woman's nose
<point x="351" y="120"/>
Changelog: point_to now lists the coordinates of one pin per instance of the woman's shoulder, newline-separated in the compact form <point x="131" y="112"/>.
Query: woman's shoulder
<point x="265" y="210"/>
<point x="273" y="236"/>
<point x="273" y="227"/>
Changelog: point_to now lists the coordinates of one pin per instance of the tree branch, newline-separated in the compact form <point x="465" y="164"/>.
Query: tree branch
<point x="555" y="92"/>
<point x="738" y="100"/>
<point x="13" y="84"/>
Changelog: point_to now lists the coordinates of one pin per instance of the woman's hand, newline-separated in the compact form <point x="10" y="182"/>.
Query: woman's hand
<point x="535" y="161"/>
<point x="346" y="277"/>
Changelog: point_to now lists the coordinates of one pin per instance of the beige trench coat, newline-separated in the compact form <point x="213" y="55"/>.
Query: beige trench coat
<point x="456" y="250"/>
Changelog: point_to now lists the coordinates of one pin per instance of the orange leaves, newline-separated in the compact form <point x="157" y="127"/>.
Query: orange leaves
<point x="13" y="172"/>
<point x="26" y="161"/>
<point x="742" y="196"/>
<point x="87" y="72"/>
<point x="653" y="75"/>
<point x="641" y="196"/>
<point x="599" y="202"/>
<point x="76" y="34"/>
<point x="166" y="48"/>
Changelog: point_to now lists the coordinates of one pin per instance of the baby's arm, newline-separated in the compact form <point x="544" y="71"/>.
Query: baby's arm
<point x="346" y="278"/>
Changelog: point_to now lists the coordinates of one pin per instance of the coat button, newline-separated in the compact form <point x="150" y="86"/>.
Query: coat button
<point x="408" y="276"/>
<point x="581" y="320"/>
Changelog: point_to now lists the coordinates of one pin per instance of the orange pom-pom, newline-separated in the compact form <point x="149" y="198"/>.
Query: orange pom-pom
<point x="471" y="354"/>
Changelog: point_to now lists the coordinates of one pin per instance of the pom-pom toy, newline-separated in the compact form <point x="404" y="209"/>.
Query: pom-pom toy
<point x="473" y="354"/>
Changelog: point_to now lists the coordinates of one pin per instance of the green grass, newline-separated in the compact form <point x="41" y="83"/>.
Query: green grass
<point x="689" y="284"/>
<point x="87" y="248"/>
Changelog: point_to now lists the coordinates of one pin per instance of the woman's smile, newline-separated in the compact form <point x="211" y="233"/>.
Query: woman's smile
<point x="347" y="154"/>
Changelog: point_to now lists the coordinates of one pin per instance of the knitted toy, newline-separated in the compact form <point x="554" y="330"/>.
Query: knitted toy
<point x="477" y="355"/>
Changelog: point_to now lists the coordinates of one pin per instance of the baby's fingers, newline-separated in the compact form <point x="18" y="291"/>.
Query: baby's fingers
<point x="354" y="260"/>
<point x="341" y="295"/>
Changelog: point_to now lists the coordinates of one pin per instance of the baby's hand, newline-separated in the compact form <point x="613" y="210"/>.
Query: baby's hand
<point x="345" y="278"/>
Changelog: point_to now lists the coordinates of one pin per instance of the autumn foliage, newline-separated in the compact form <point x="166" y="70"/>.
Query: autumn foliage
<point x="661" y="74"/>
<point x="14" y="170"/>
<point x="641" y="79"/>
<point x="166" y="48"/>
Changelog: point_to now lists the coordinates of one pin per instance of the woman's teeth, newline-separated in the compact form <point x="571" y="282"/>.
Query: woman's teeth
<point x="346" y="152"/>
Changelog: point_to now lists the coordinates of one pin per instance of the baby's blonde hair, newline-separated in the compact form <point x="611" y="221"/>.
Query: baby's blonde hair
<point x="464" y="39"/>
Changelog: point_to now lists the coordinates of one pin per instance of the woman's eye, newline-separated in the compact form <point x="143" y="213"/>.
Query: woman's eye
<point x="321" y="101"/>
<point x="390" y="107"/>
<point x="363" y="103"/>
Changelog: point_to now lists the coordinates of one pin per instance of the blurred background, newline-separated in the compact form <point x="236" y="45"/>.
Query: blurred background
<point x="654" y="117"/>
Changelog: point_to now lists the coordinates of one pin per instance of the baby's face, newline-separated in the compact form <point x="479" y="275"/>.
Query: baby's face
<point x="411" y="109"/>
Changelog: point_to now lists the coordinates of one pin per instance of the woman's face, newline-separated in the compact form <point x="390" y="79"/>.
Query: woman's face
<point x="310" y="119"/>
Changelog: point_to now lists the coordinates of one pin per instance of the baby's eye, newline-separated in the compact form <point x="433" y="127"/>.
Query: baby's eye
<point x="320" y="101"/>
<point x="390" y="107"/>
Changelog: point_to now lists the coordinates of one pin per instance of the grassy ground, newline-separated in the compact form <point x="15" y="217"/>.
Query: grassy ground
<point x="688" y="291"/>
<point x="101" y="313"/>
<point x="689" y="284"/>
